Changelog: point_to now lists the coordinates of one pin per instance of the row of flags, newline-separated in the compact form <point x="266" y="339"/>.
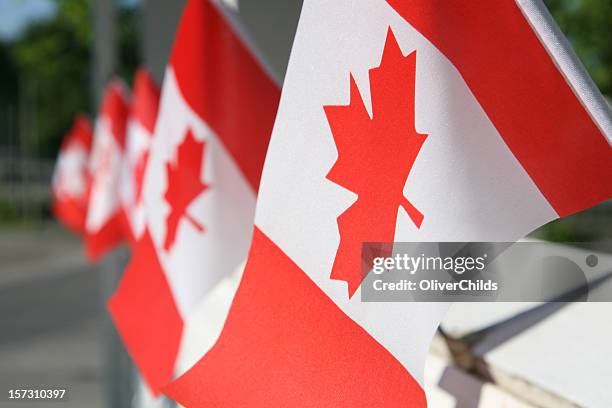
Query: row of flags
<point x="399" y="121"/>
<point x="97" y="183"/>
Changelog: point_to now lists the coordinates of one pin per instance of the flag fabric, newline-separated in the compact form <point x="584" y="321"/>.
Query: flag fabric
<point x="105" y="224"/>
<point x="216" y="113"/>
<point x="71" y="177"/>
<point x="443" y="120"/>
<point x="202" y="327"/>
<point x="140" y="127"/>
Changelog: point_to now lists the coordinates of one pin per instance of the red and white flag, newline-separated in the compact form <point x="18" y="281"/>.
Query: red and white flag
<point x="105" y="225"/>
<point x="421" y="120"/>
<point x="71" y="177"/>
<point x="140" y="127"/>
<point x="216" y="114"/>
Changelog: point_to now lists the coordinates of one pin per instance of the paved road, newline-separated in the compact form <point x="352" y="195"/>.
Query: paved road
<point x="52" y="329"/>
<point x="57" y="302"/>
<point x="70" y="359"/>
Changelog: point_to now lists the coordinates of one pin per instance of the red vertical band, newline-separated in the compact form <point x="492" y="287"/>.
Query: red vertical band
<point x="146" y="316"/>
<point x="80" y="133"/>
<point x="225" y="86"/>
<point x="524" y="94"/>
<point x="115" y="108"/>
<point x="145" y="100"/>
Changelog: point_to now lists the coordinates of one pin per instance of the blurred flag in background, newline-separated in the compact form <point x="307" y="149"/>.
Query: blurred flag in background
<point x="71" y="177"/>
<point x="105" y="217"/>
<point x="140" y="127"/>
<point x="216" y="114"/>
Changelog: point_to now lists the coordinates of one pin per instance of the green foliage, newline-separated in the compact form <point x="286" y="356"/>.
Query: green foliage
<point x="52" y="58"/>
<point x="128" y="35"/>
<point x="8" y="211"/>
<point x="588" y="26"/>
<point x="8" y="76"/>
<point x="564" y="230"/>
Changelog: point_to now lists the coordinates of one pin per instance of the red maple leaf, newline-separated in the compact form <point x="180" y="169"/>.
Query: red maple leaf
<point x="184" y="185"/>
<point x="375" y="156"/>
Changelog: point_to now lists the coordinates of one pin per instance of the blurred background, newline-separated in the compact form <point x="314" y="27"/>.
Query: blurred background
<point x="55" y="57"/>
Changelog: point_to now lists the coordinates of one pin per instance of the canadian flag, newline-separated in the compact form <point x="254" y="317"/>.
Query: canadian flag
<point x="422" y="120"/>
<point x="140" y="127"/>
<point x="71" y="177"/>
<point x="105" y="223"/>
<point x="216" y="114"/>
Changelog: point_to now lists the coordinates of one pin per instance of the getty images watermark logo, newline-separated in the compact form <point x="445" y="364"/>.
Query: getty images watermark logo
<point x="419" y="264"/>
<point x="485" y="271"/>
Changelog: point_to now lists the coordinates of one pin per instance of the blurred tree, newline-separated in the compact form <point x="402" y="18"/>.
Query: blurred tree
<point x="52" y="58"/>
<point x="588" y="26"/>
<point x="129" y="37"/>
<point x="8" y="76"/>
